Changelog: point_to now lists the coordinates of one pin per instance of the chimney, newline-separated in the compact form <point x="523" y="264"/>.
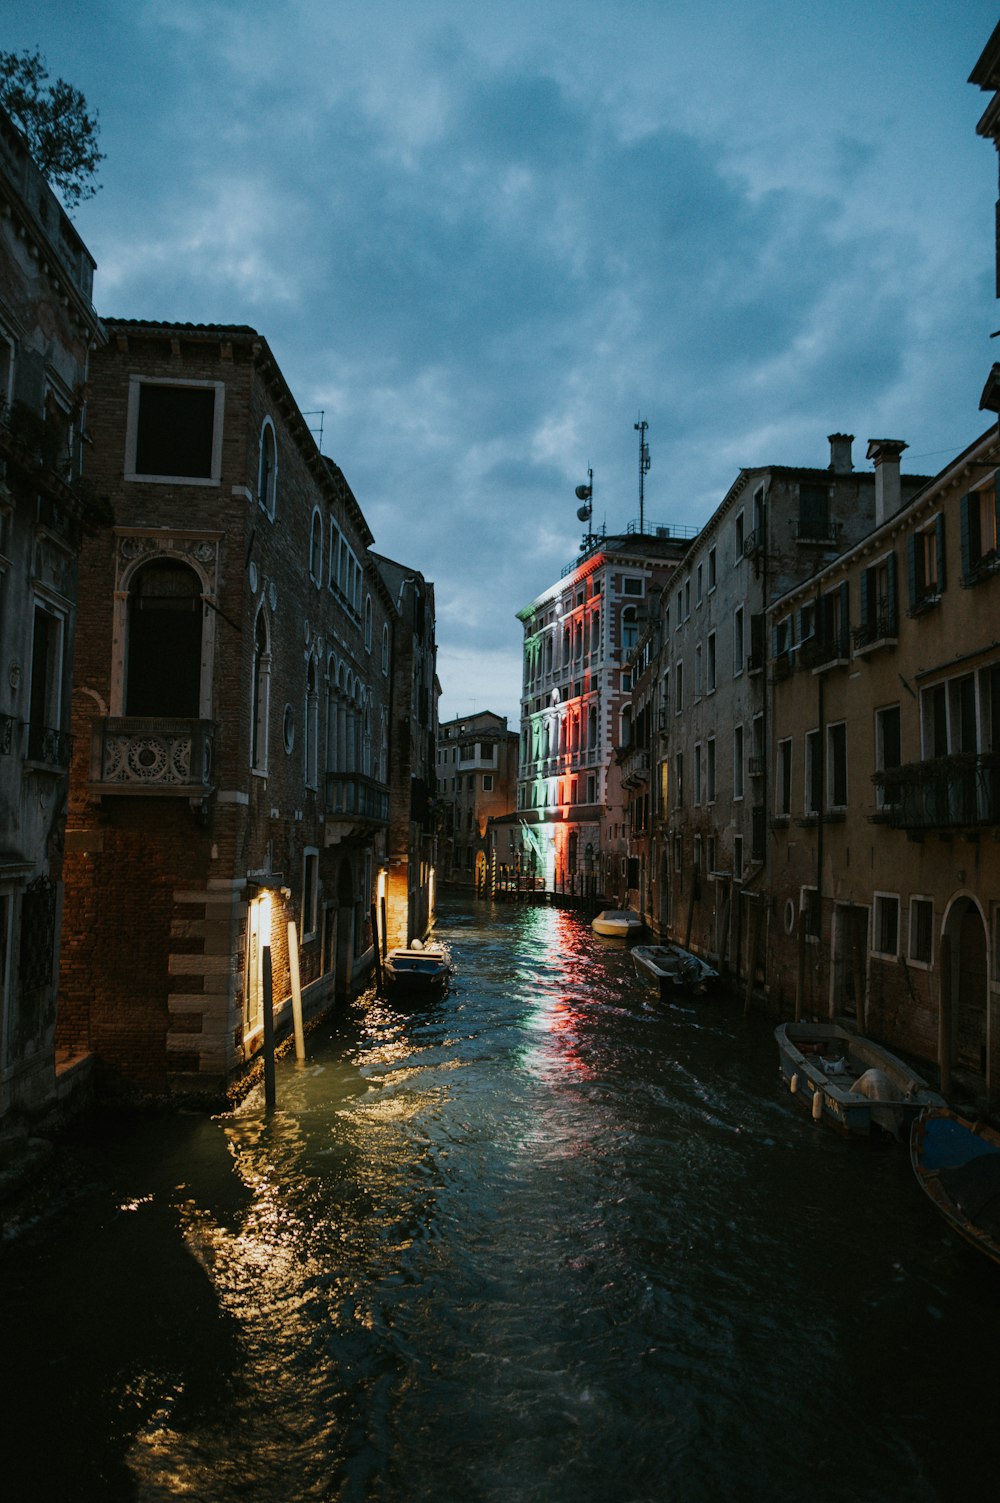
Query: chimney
<point x="884" y="454"/>
<point x="841" y="462"/>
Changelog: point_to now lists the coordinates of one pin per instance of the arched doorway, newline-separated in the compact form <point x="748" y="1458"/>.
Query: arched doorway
<point x="966" y="930"/>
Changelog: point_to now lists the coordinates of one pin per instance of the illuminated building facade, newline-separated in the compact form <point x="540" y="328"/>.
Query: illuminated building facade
<point x="578" y="637"/>
<point x="48" y="329"/>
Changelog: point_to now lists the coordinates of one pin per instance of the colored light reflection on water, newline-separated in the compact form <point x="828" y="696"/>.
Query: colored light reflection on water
<point x="545" y="1239"/>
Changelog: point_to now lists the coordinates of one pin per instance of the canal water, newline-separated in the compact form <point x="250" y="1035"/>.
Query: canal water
<point x="545" y="1239"/>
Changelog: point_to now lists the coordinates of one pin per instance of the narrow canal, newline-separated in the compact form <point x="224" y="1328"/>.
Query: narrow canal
<point x="543" y="1240"/>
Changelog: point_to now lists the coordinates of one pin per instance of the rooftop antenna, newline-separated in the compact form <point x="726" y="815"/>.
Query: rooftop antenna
<point x="585" y="494"/>
<point x="321" y="414"/>
<point x="640" y="428"/>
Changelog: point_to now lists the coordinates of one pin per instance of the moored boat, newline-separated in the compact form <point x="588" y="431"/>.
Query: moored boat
<point x="849" y="1081"/>
<point x="417" y="968"/>
<point x="618" y="923"/>
<point x="673" y="970"/>
<point x="957" y="1164"/>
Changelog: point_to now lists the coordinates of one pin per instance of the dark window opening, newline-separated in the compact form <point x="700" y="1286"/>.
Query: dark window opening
<point x="164" y="642"/>
<point x="175" y="431"/>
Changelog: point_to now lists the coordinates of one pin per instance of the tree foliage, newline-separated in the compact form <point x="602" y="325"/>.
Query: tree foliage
<point x="62" y="135"/>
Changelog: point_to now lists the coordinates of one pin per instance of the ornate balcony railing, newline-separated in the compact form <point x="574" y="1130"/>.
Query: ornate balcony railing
<point x="360" y="800"/>
<point x="960" y="792"/>
<point x="140" y="754"/>
<point x="824" y="650"/>
<point x="48" y="746"/>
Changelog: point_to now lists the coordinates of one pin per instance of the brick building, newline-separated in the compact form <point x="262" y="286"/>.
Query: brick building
<point x="48" y="329"/>
<point x="477" y="782"/>
<point x="230" y="712"/>
<point x="412" y="839"/>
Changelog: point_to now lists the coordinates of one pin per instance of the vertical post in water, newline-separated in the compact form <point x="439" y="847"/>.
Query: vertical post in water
<point x="800" y="980"/>
<point x="379" y="990"/>
<point x="293" y="971"/>
<point x="269" y="1091"/>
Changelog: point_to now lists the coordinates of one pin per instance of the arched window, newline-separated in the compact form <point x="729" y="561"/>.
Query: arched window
<point x="260" y="697"/>
<point x="368" y="623"/>
<point x="385" y="648"/>
<point x="164" y="641"/>
<point x="630" y="628"/>
<point x="316" y="548"/>
<point x="267" y="468"/>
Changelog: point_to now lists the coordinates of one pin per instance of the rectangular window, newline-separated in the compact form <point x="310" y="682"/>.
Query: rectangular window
<point x="737" y="858"/>
<point x="738" y="762"/>
<point x="925" y="566"/>
<point x="696" y="854"/>
<point x="679" y="688"/>
<point x="174" y="431"/>
<point x="979" y="517"/>
<point x="836" y="773"/>
<point x="310" y="893"/>
<point x="679" y="780"/>
<point x="487" y="782"/>
<point x="814" y="512"/>
<point x="678" y="852"/>
<point x="710" y="778"/>
<point x="697" y="772"/>
<point x="711" y="569"/>
<point x="45" y="707"/>
<point x="887" y="752"/>
<point x="783" y="789"/>
<point x="739" y="537"/>
<point x="700" y="589"/>
<point x="921" y="930"/>
<point x="631" y="586"/>
<point x="738" y="646"/>
<point x="711" y="663"/>
<point x="879" y="607"/>
<point x="697" y="672"/>
<point x="809" y="908"/>
<point x="885" y="940"/>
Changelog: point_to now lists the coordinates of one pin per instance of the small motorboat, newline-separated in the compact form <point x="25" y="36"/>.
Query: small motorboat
<point x="417" y="968"/>
<point x="957" y="1164"/>
<point x="851" y="1082"/>
<point x="618" y="923"/>
<point x="672" y="969"/>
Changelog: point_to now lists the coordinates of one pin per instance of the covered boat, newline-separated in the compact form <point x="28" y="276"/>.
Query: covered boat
<point x="849" y="1081"/>
<point x="618" y="923"/>
<point x="957" y="1164"/>
<point x="417" y="968"/>
<point x="672" y="969"/>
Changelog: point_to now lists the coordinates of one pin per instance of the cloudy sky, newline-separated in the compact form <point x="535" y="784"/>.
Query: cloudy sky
<point x="485" y="238"/>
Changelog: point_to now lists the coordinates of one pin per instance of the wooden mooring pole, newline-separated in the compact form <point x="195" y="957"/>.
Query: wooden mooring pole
<point x="379" y="989"/>
<point x="296" y="980"/>
<point x="270" y="1097"/>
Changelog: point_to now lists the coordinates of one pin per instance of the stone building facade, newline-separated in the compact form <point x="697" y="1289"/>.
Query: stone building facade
<point x="48" y="330"/>
<point x="477" y="782"/>
<point x="231" y="715"/>
<point x="703" y="717"/>
<point x="885" y="814"/>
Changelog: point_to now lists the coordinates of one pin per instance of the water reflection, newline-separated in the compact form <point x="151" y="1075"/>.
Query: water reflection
<point x="545" y="1239"/>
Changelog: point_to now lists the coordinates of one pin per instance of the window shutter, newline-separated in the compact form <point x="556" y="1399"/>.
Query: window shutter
<point x="969" y="515"/>
<point x="844" y="633"/>
<point x="939" y="531"/>
<point x="893" y="612"/>
<point x="915" y="585"/>
<point x="864" y="597"/>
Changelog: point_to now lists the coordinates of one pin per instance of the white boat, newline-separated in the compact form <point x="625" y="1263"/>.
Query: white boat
<point x="417" y="968"/>
<point x="672" y="969"/>
<point x="618" y="923"/>
<point x="849" y="1081"/>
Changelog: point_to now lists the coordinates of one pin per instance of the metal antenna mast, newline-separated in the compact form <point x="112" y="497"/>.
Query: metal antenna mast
<point x="640" y="428"/>
<point x="585" y="493"/>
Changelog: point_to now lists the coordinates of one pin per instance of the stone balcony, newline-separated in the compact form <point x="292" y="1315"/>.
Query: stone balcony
<point x="354" y="803"/>
<point x="151" y="756"/>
